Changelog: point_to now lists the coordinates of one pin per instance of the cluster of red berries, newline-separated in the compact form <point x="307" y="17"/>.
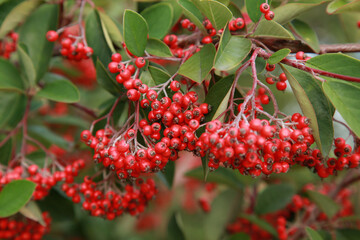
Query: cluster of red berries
<point x="265" y="9"/>
<point x="19" y="227"/>
<point x="71" y="48"/>
<point x="43" y="178"/>
<point x="172" y="41"/>
<point x="236" y="24"/>
<point x="110" y="204"/>
<point x="280" y="81"/>
<point x="8" y="45"/>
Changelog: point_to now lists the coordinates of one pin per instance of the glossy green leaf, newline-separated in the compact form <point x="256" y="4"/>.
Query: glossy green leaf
<point x="220" y="176"/>
<point x="231" y="52"/>
<point x="218" y="97"/>
<point x="314" y="105"/>
<point x="160" y="76"/>
<point x="15" y="12"/>
<point x="47" y="137"/>
<point x="347" y="234"/>
<point x="112" y="29"/>
<point x="33" y="35"/>
<point x="193" y="13"/>
<point x="174" y="228"/>
<point x="27" y="66"/>
<point x="217" y="13"/>
<point x="278" y="56"/>
<point x="198" y="66"/>
<point x="306" y="33"/>
<point x="253" y="9"/>
<point x="235" y="10"/>
<point x="312" y="234"/>
<point x="159" y="18"/>
<point x="239" y="236"/>
<point x="135" y="32"/>
<point x="14" y="196"/>
<point x="341" y="6"/>
<point x="95" y="37"/>
<point x="157" y="48"/>
<point x="325" y="203"/>
<point x="6" y="151"/>
<point x="33" y="212"/>
<point x="59" y="89"/>
<point x="272" y="29"/>
<point x="260" y="223"/>
<point x="12" y="108"/>
<point x="105" y="80"/>
<point x="10" y="78"/>
<point x="274" y="198"/>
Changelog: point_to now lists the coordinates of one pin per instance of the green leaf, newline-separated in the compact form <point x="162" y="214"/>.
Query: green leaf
<point x="27" y="66"/>
<point x="159" y="18"/>
<point x="135" y="32"/>
<point x="17" y="12"/>
<point x="47" y="137"/>
<point x="199" y="65"/>
<point x="253" y="9"/>
<point x="341" y="6"/>
<point x="217" y="13"/>
<point x="66" y="120"/>
<point x="6" y="151"/>
<point x="105" y="80"/>
<point x="306" y="33"/>
<point x="325" y="203"/>
<point x="33" y="35"/>
<point x="274" y="198"/>
<point x="218" y="97"/>
<point x="271" y="29"/>
<point x="10" y="78"/>
<point x="193" y="13"/>
<point x="239" y="236"/>
<point x="260" y="223"/>
<point x="314" y="104"/>
<point x="159" y="75"/>
<point x="278" y="56"/>
<point x="174" y="228"/>
<point x="170" y="173"/>
<point x="95" y="37"/>
<point x="312" y="234"/>
<point x="112" y="29"/>
<point x="14" y="196"/>
<point x="12" y="108"/>
<point x="158" y="48"/>
<point x="231" y="52"/>
<point x="347" y="234"/>
<point x="33" y="212"/>
<point x="58" y="88"/>
<point x="221" y="176"/>
<point x="288" y="12"/>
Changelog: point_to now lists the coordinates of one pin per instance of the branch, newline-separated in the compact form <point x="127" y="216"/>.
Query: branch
<point x="84" y="109"/>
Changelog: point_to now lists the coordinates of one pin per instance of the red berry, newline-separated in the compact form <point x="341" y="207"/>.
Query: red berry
<point x="239" y="23"/>
<point x="175" y="86"/>
<point x="281" y="86"/>
<point x="52" y="36"/>
<point x="270" y="80"/>
<point x="140" y="62"/>
<point x="270" y="67"/>
<point x="300" y="55"/>
<point x="269" y="15"/>
<point x="282" y="77"/>
<point x="264" y="8"/>
<point x="206" y="40"/>
<point x="116" y="57"/>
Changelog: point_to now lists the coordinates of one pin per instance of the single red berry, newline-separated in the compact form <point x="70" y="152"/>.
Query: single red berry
<point x="282" y="77"/>
<point x="270" y="80"/>
<point x="175" y="86"/>
<point x="52" y="36"/>
<point x="281" y="86"/>
<point x="239" y="23"/>
<point x="300" y="55"/>
<point x="206" y="40"/>
<point x="270" y="67"/>
<point x="140" y="62"/>
<point x="113" y="67"/>
<point x="269" y="15"/>
<point x="264" y="8"/>
<point x="116" y="57"/>
<point x="185" y="23"/>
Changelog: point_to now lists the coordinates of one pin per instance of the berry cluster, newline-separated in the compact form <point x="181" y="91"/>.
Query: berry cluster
<point x="110" y="204"/>
<point x="265" y="9"/>
<point x="280" y="81"/>
<point x="8" y="44"/>
<point x="19" y="227"/>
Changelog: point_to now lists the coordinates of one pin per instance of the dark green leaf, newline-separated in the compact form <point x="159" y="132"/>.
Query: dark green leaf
<point x="314" y="104"/>
<point x="33" y="212"/>
<point x="274" y="198"/>
<point x="272" y="29"/>
<point x="33" y="35"/>
<point x="27" y="66"/>
<point x="341" y="6"/>
<point x="58" y="88"/>
<point x="216" y="12"/>
<point x="105" y="80"/>
<point x="47" y="137"/>
<point x="306" y="33"/>
<point x="14" y="196"/>
<point x="10" y="78"/>
<point x="253" y="9"/>
<point x="39" y="158"/>
<point x="174" y="228"/>
<point x="325" y="203"/>
<point x="199" y="65"/>
<point x="231" y="51"/>
<point x="260" y="223"/>
<point x="278" y="56"/>
<point x="239" y="236"/>
<point x="159" y="18"/>
<point x="14" y="12"/>
<point x="221" y="176"/>
<point x="347" y="234"/>
<point x="170" y="172"/>
<point x="52" y="202"/>
<point x="95" y="37"/>
<point x="157" y="48"/>
<point x="12" y="108"/>
<point x="6" y="151"/>
<point x="159" y="75"/>
<point x="312" y="234"/>
<point x="112" y="29"/>
<point x="135" y="32"/>
<point x="193" y="13"/>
